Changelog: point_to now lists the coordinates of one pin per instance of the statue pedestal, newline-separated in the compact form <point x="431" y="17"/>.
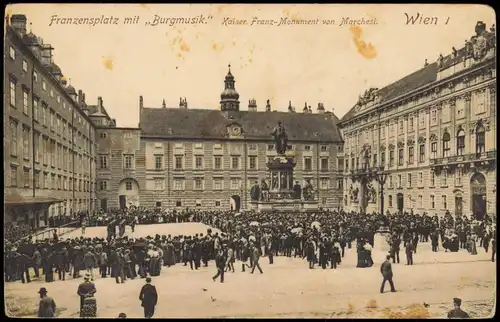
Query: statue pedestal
<point x="281" y="197"/>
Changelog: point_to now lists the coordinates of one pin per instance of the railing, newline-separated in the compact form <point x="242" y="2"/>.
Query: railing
<point x="61" y="231"/>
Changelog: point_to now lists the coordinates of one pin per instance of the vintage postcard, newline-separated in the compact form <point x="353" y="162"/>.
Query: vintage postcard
<point x="250" y="160"/>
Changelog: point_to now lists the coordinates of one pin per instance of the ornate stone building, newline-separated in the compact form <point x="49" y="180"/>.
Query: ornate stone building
<point x="209" y="159"/>
<point x="49" y="139"/>
<point x="432" y="135"/>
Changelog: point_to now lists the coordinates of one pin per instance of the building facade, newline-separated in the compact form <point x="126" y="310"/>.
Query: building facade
<point x="49" y="140"/>
<point x="432" y="135"/>
<point x="209" y="159"/>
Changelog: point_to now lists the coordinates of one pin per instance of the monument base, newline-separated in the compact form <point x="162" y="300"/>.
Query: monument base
<point x="290" y="205"/>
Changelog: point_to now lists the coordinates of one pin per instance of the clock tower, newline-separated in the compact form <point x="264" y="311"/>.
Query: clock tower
<point x="229" y="97"/>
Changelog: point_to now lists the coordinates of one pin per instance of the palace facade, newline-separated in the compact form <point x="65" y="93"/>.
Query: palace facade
<point x="431" y="135"/>
<point x="49" y="139"/>
<point x="209" y="159"/>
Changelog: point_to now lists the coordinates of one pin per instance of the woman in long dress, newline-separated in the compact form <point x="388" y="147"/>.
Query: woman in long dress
<point x="89" y="308"/>
<point x="473" y="248"/>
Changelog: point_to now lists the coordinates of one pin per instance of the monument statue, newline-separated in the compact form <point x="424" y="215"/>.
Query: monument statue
<point x="308" y="191"/>
<point x="274" y="181"/>
<point x="264" y="191"/>
<point x="255" y="191"/>
<point x="280" y="138"/>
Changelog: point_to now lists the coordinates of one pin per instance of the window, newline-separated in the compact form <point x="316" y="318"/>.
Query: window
<point x="198" y="183"/>
<point x="217" y="163"/>
<point x="420" y="179"/>
<point x="158" y="162"/>
<point x="390" y="182"/>
<point x="12" y="93"/>
<point x="178" y="203"/>
<point x="12" y="53"/>
<point x="36" y="143"/>
<point x="58" y="99"/>
<point x="198" y="162"/>
<point x="307" y="148"/>
<point x="103" y="185"/>
<point x="13" y="176"/>
<point x="444" y="202"/>
<point x="13" y="138"/>
<point x="390" y="200"/>
<point x="400" y="181"/>
<point x="179" y="162"/>
<point x="460" y="142"/>
<point x="235" y="163"/>
<point x="480" y="139"/>
<point x="346" y="164"/>
<point x="25" y="102"/>
<point x="217" y="184"/>
<point x="433" y="202"/>
<point x="432" y="178"/>
<point x="103" y="161"/>
<point x="410" y="123"/>
<point x="409" y="180"/>
<point x="158" y="204"/>
<point x="444" y="178"/>
<point x="37" y="112"/>
<point x="480" y="99"/>
<point x="235" y="184"/>
<point x="307" y="164"/>
<point x="410" y="155"/>
<point x="217" y="204"/>
<point x="324" y="164"/>
<point x="420" y="200"/>
<point x="44" y="85"/>
<point x="128" y="162"/>
<point x="324" y="148"/>
<point x="178" y="184"/>
<point x="324" y="183"/>
<point x="159" y="183"/>
<point x="37" y="179"/>
<point x="52" y="116"/>
<point x="401" y="157"/>
<point x="353" y="164"/>
<point x="458" y="176"/>
<point x="391" y="158"/>
<point x="26" y="146"/>
<point x="51" y="92"/>
<point x="35" y="76"/>
<point x="434" y="149"/>
<point x="323" y="201"/>
<point x="44" y="115"/>
<point x="340" y="184"/>
<point x="421" y="154"/>
<point x="270" y="147"/>
<point x="128" y="185"/>
<point x="103" y="135"/>
<point x="446" y="144"/>
<point x="26" y="178"/>
<point x="433" y="117"/>
<point x="252" y="162"/>
<point x="382" y="158"/>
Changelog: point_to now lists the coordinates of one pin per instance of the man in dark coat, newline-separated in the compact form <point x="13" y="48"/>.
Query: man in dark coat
<point x="255" y="253"/>
<point x="386" y="270"/>
<point x="47" y="306"/>
<point x="220" y="263"/>
<point x="457" y="312"/>
<point x="149" y="298"/>
<point x="297" y="190"/>
<point x="24" y="263"/>
<point x="409" y="253"/>
<point x="84" y="289"/>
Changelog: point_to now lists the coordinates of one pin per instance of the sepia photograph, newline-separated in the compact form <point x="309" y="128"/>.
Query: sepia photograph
<point x="250" y="161"/>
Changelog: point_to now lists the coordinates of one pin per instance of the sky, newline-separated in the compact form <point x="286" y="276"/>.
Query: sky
<point x="331" y="64"/>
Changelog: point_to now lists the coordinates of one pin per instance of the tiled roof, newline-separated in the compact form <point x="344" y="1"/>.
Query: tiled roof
<point x="414" y="81"/>
<point x="199" y="123"/>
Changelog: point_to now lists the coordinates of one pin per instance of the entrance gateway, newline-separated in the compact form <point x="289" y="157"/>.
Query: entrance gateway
<point x="478" y="195"/>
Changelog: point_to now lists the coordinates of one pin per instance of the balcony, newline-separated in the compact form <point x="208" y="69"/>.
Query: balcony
<point x="468" y="160"/>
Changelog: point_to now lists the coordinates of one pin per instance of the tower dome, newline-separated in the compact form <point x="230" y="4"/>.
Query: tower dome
<point x="229" y="97"/>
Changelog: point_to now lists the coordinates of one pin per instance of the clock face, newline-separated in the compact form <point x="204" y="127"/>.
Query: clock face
<point x="236" y="130"/>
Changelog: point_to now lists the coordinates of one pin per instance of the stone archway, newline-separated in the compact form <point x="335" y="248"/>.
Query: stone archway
<point x="128" y="193"/>
<point x="235" y="203"/>
<point x="478" y="195"/>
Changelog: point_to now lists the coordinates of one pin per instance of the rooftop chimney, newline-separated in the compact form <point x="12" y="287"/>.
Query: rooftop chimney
<point x="141" y="102"/>
<point x="18" y="22"/>
<point x="268" y="106"/>
<point x="321" y="108"/>
<point x="47" y="54"/>
<point x="290" y="107"/>
<point x="80" y="96"/>
<point x="252" y="105"/>
<point x="163" y="104"/>
<point x="99" y="104"/>
<point x="305" y="110"/>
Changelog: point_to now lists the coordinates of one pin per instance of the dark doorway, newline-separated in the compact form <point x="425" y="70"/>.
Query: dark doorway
<point x="478" y="191"/>
<point x="123" y="202"/>
<point x="104" y="204"/>
<point x="235" y="203"/>
<point x="400" y="200"/>
<point x="458" y="206"/>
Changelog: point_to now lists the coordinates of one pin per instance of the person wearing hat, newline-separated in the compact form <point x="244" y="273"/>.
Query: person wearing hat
<point x="457" y="312"/>
<point x="47" y="306"/>
<point x="85" y="289"/>
<point x="122" y="316"/>
<point x="149" y="298"/>
<point x="220" y="263"/>
<point x="386" y="270"/>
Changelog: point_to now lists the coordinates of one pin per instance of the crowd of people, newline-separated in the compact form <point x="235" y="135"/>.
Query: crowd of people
<point x="321" y="238"/>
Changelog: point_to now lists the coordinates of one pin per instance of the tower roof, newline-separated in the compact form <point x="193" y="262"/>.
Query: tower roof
<point x="229" y="92"/>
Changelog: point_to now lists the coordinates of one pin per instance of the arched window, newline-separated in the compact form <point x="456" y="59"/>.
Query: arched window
<point x="446" y="144"/>
<point x="480" y="139"/>
<point x="460" y="142"/>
